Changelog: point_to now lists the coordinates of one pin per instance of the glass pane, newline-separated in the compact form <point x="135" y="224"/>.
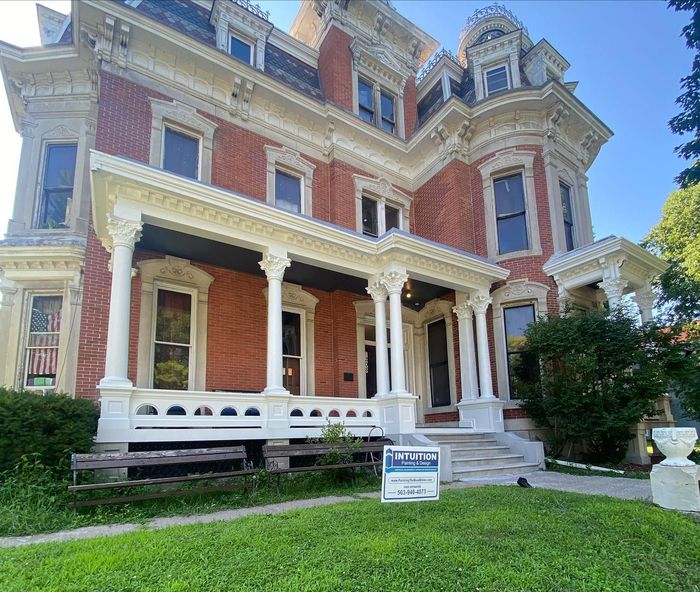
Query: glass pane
<point x="569" y="234"/>
<point x="44" y="328"/>
<point x="512" y="234"/>
<point x="292" y="375"/>
<point x="171" y="367"/>
<point x="387" y="104"/>
<point x="510" y="197"/>
<point x="565" y="193"/>
<point x="367" y="115"/>
<point x="240" y="49"/>
<point x="287" y="192"/>
<point x="173" y="317"/>
<point x="369" y="217"/>
<point x="370" y="333"/>
<point x="517" y="318"/>
<point x="291" y="334"/>
<point x="365" y="94"/>
<point x="46" y="314"/>
<point x="388" y="126"/>
<point x="181" y="154"/>
<point x="392" y="217"/>
<point x="496" y="80"/>
<point x="60" y="166"/>
<point x="522" y="368"/>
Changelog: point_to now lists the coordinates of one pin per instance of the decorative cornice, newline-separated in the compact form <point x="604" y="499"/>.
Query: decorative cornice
<point x="274" y="266"/>
<point x="394" y="281"/>
<point x="124" y="233"/>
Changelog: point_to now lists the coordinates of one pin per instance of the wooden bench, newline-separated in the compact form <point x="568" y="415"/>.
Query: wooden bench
<point x="82" y="462"/>
<point x="370" y="453"/>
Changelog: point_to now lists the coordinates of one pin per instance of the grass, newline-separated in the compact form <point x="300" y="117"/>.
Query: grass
<point x="32" y="501"/>
<point x="487" y="539"/>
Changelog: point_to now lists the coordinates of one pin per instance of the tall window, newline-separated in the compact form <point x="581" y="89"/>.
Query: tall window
<point x="496" y="80"/>
<point x="438" y="363"/>
<point x="181" y="153"/>
<point x="173" y="340"/>
<point x="57" y="185"/>
<point x="287" y="191"/>
<point x="240" y="49"/>
<point x="565" y="193"/>
<point x="368" y="95"/>
<point x="292" y="351"/>
<point x="510" y="214"/>
<point x="521" y="365"/>
<point x="373" y="223"/>
<point x="41" y="359"/>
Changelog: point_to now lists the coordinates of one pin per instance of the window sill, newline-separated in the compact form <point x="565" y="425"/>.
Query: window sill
<point x="518" y="255"/>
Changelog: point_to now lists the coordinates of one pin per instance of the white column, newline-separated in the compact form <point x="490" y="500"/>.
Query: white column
<point x="644" y="297"/>
<point x="274" y="267"/>
<point x="393" y="281"/>
<point x="125" y="234"/>
<point x="479" y="304"/>
<point x="379" y="294"/>
<point x="7" y="300"/>
<point x="467" y="358"/>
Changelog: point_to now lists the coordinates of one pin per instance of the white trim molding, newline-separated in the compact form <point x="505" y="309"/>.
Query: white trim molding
<point x="184" y="118"/>
<point x="291" y="162"/>
<point x="503" y="163"/>
<point x="383" y="192"/>
<point x="177" y="274"/>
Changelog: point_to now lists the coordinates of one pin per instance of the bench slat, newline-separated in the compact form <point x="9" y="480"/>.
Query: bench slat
<point x="157" y="481"/>
<point x="129" y="459"/>
<point x="324" y="467"/>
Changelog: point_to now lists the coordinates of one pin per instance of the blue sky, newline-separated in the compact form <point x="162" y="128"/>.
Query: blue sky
<point x="627" y="56"/>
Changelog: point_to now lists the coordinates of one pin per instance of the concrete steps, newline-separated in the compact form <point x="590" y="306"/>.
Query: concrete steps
<point x="477" y="455"/>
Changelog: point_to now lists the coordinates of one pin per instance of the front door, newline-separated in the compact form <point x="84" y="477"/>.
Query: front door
<point x="371" y="369"/>
<point x="439" y="372"/>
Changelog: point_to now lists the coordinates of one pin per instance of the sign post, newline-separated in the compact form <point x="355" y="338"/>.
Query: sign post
<point x="411" y="473"/>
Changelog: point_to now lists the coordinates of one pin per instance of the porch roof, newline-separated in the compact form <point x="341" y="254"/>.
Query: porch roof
<point x="134" y="190"/>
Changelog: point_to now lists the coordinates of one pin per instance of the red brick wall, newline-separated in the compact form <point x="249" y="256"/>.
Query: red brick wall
<point x="410" y="106"/>
<point x="335" y="67"/>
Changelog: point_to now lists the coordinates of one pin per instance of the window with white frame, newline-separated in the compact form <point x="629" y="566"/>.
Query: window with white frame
<point x="511" y="218"/>
<point x="567" y="214"/>
<point x="180" y="152"/>
<point x="43" y="333"/>
<point x="496" y="79"/>
<point x="241" y="49"/>
<point x="57" y="185"/>
<point x="379" y="216"/>
<point x="288" y="191"/>
<point x="173" y="343"/>
<point x="376" y="105"/>
<point x="522" y="366"/>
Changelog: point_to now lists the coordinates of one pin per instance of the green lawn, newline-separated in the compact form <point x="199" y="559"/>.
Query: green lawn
<point x="485" y="539"/>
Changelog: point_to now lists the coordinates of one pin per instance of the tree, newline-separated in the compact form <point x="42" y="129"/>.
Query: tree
<point x="600" y="374"/>
<point x="676" y="238"/>
<point x="688" y="120"/>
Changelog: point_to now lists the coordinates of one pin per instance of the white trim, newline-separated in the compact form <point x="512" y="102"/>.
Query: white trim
<point x="41" y="179"/>
<point x="491" y="68"/>
<point x="383" y="193"/>
<point x="291" y="162"/>
<point x="449" y="336"/>
<point x="250" y="42"/>
<point x="23" y="353"/>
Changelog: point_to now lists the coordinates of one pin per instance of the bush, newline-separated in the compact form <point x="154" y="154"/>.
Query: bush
<point x="49" y="427"/>
<point x="599" y="374"/>
<point x="344" y="447"/>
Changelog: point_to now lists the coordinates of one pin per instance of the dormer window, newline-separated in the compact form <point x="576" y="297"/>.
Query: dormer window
<point x="496" y="80"/>
<point x="241" y="49"/>
<point x="370" y="95"/>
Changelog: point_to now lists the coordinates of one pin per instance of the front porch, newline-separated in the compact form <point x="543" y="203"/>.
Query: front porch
<point x="281" y="265"/>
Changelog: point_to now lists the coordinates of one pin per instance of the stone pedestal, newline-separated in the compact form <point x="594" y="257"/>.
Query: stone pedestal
<point x="481" y="415"/>
<point x="676" y="488"/>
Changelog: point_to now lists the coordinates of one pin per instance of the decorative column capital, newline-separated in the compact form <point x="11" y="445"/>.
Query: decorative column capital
<point x="394" y="281"/>
<point x="124" y="233"/>
<point x="613" y="288"/>
<point x="480" y="303"/>
<point x="463" y="311"/>
<point x="377" y="291"/>
<point x="7" y="296"/>
<point x="274" y="266"/>
<point x="645" y="299"/>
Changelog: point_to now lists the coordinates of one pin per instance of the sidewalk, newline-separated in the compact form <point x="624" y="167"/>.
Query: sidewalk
<point x="620" y="488"/>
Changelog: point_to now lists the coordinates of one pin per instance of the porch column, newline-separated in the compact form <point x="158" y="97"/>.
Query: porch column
<point x="644" y="297"/>
<point x="379" y="293"/>
<point x="479" y="304"/>
<point x="125" y="234"/>
<point x="613" y="285"/>
<point x="467" y="359"/>
<point x="274" y="267"/>
<point x="393" y="281"/>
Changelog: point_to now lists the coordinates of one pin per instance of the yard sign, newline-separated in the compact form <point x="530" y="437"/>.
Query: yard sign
<point x="411" y="473"/>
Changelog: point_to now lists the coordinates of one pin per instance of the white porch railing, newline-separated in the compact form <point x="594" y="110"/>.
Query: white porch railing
<point x="149" y="415"/>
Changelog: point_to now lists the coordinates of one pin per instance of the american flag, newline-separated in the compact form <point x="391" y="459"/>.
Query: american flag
<point x="43" y="355"/>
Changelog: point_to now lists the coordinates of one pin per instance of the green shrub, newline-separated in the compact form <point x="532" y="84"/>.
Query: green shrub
<point x="599" y="374"/>
<point x="48" y="426"/>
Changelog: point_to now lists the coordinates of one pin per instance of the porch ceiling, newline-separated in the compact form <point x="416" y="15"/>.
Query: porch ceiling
<point x="202" y="250"/>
